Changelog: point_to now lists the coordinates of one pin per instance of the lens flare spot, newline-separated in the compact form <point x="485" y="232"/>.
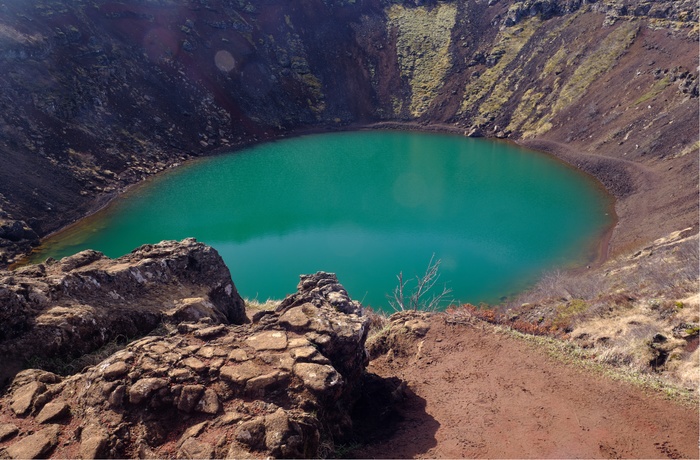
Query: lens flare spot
<point x="224" y="61"/>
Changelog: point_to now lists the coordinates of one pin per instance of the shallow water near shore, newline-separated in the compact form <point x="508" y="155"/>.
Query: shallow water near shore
<point x="365" y="205"/>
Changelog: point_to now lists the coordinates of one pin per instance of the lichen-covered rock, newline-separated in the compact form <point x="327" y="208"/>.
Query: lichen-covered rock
<point x="80" y="303"/>
<point x="276" y="387"/>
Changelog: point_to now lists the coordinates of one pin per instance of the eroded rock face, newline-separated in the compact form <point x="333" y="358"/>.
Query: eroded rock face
<point x="276" y="387"/>
<point x="80" y="303"/>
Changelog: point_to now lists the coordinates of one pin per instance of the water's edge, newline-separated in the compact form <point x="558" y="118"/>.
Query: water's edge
<point x="601" y="241"/>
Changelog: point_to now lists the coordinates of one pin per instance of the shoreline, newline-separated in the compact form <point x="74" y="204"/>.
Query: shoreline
<point x="602" y="248"/>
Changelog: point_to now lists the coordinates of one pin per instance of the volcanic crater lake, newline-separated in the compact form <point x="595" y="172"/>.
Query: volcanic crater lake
<point x="365" y="205"/>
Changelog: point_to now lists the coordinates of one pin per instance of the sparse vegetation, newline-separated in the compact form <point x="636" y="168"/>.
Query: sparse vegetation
<point x="423" y="42"/>
<point x="255" y="305"/>
<point x="508" y="45"/>
<point x="655" y="90"/>
<point x="422" y="296"/>
<point x="572" y="353"/>
<point x="67" y="365"/>
<point x="597" y="311"/>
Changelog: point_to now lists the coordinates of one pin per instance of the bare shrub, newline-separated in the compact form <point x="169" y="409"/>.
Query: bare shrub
<point x="421" y="297"/>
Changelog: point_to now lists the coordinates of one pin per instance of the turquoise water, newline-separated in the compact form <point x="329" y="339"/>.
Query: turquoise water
<point x="365" y="205"/>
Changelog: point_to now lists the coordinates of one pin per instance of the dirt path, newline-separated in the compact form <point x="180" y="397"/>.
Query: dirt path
<point x="473" y="393"/>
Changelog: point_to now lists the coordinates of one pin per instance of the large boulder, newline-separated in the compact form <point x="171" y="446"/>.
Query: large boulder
<point x="281" y="386"/>
<point x="58" y="310"/>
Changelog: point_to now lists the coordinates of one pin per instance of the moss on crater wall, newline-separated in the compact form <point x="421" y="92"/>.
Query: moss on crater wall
<point x="569" y="87"/>
<point x="487" y="91"/>
<point x="601" y="60"/>
<point x="422" y="46"/>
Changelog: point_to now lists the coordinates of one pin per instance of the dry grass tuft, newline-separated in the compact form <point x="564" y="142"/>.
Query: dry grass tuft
<point x="639" y="313"/>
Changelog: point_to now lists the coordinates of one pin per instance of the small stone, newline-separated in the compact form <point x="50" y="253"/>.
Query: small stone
<point x="303" y="353"/>
<point x="192" y="449"/>
<point x="276" y="428"/>
<point x="240" y="373"/>
<point x="143" y="388"/>
<point x="268" y="340"/>
<point x="209" y="403"/>
<point x="37" y="445"/>
<point x="238" y="355"/>
<point x="195" y="364"/>
<point x="93" y="446"/>
<point x="190" y="349"/>
<point x="7" y="430"/>
<point x="318" y="377"/>
<point x="251" y="433"/>
<point x="23" y="398"/>
<point x="206" y="352"/>
<point x="210" y="332"/>
<point x="116" y="399"/>
<point x="189" y="397"/>
<point x="285" y="362"/>
<point x="297" y="342"/>
<point x="107" y="388"/>
<point x="115" y="370"/>
<point x="53" y="411"/>
<point x="179" y="374"/>
<point x="296" y="318"/>
<point x="259" y="385"/>
<point x="231" y="417"/>
<point x="193" y="309"/>
<point x="192" y="432"/>
<point x="159" y="349"/>
<point x="417" y="327"/>
<point x="170" y="358"/>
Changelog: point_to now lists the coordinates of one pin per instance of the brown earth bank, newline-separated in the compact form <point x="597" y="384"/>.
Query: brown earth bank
<point x="474" y="392"/>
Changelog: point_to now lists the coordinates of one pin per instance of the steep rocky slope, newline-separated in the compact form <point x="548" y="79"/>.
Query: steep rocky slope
<point x="282" y="385"/>
<point x="59" y="311"/>
<point x="98" y="95"/>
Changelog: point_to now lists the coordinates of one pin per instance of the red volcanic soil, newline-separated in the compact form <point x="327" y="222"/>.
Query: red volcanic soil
<point x="475" y="393"/>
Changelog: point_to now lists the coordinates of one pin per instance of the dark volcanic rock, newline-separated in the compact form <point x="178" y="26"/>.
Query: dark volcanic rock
<point x="80" y="303"/>
<point x="277" y="387"/>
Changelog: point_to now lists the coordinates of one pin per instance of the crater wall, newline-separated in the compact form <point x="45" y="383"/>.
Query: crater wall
<point x="96" y="96"/>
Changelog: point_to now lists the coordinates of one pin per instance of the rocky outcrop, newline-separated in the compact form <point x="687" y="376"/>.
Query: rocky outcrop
<point x="281" y="386"/>
<point x="16" y="237"/>
<point x="61" y="309"/>
<point x="681" y="11"/>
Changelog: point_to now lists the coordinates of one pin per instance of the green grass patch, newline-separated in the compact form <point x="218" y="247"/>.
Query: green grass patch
<point x="655" y="90"/>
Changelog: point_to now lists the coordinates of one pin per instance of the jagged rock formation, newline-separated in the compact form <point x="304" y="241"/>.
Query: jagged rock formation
<point x="282" y="386"/>
<point x="61" y="310"/>
<point x="99" y="95"/>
